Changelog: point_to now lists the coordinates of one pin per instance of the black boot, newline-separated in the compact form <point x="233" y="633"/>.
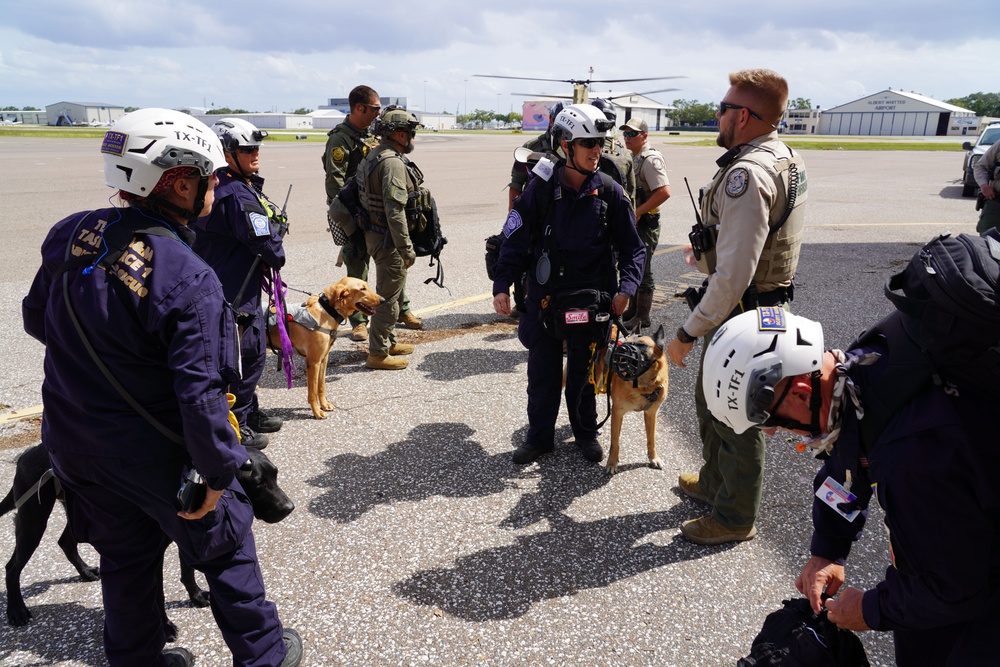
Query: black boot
<point x="262" y="422"/>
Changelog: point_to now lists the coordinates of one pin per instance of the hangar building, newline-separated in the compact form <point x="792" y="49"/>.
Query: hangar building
<point x="83" y="113"/>
<point x="898" y="113"/>
<point x="535" y="113"/>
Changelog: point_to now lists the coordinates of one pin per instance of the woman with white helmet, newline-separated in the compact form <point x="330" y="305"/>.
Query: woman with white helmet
<point x="563" y="231"/>
<point x="139" y="347"/>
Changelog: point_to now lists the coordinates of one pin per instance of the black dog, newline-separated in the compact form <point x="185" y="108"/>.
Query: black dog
<point x="259" y="480"/>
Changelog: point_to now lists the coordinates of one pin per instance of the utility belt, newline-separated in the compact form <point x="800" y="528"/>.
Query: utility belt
<point x="750" y="300"/>
<point x="650" y="220"/>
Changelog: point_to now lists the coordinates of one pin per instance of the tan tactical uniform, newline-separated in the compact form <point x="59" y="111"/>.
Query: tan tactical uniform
<point x="650" y="174"/>
<point x="743" y="202"/>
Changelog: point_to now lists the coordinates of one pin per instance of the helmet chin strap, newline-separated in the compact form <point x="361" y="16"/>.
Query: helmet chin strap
<point x="199" y="202"/>
<point x="571" y="163"/>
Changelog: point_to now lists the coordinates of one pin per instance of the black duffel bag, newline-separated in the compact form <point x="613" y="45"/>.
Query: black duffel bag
<point x="576" y="315"/>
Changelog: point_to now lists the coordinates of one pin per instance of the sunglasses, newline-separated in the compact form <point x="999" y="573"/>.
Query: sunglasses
<point x="248" y="150"/>
<point x="374" y="107"/>
<point x="589" y="142"/>
<point x="726" y="105"/>
<point x="631" y="134"/>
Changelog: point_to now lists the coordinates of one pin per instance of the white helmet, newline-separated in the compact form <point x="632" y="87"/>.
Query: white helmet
<point x="236" y="132"/>
<point x="141" y="145"/>
<point x="579" y="121"/>
<point x="749" y="355"/>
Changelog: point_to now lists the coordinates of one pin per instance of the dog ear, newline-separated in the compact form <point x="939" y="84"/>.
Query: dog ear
<point x="660" y="338"/>
<point x="338" y="293"/>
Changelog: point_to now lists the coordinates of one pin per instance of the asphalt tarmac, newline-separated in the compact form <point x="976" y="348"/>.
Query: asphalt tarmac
<point x="415" y="540"/>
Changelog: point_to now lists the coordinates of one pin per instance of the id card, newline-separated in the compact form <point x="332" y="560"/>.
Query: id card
<point x="832" y="493"/>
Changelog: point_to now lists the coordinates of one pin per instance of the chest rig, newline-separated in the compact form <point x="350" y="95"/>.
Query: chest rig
<point x="370" y="187"/>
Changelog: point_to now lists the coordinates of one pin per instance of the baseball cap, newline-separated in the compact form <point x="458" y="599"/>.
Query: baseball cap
<point x="635" y="124"/>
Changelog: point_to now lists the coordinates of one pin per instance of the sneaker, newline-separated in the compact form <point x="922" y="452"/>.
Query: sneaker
<point x="253" y="439"/>
<point x="293" y="648"/>
<point x="709" y="532"/>
<point x="688" y="484"/>
<point x="359" y="332"/>
<point x="591" y="450"/>
<point x="410" y="321"/>
<point x="261" y="422"/>
<point x="386" y="363"/>
<point x="401" y="348"/>
<point x="528" y="452"/>
<point x="178" y="657"/>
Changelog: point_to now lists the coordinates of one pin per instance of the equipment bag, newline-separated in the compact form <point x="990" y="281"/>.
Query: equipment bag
<point x="946" y="326"/>
<point x="493" y="244"/>
<point x="795" y="637"/>
<point x="579" y="316"/>
<point x="426" y="237"/>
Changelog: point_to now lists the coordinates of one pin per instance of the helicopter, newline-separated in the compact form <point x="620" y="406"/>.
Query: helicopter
<point x="581" y="87"/>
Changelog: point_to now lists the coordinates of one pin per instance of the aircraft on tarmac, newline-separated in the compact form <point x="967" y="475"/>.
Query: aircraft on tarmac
<point x="581" y="87"/>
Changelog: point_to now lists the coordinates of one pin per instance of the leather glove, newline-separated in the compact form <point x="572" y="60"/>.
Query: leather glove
<point x="409" y="257"/>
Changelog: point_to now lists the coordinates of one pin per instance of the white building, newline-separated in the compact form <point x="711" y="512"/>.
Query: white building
<point x="800" y="121"/>
<point x="264" y="121"/>
<point x="898" y="113"/>
<point x="83" y="113"/>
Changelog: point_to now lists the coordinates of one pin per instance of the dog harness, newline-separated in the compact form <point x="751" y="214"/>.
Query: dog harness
<point x="37" y="488"/>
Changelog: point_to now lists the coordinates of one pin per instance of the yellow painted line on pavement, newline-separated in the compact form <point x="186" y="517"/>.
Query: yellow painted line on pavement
<point x="23" y="413"/>
<point x="454" y="304"/>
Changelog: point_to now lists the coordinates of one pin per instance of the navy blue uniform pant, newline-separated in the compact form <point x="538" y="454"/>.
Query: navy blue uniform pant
<point x="128" y="512"/>
<point x="253" y="356"/>
<point x="545" y="378"/>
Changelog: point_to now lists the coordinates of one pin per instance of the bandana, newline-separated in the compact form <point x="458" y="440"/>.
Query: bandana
<point x="843" y="387"/>
<point x="166" y="182"/>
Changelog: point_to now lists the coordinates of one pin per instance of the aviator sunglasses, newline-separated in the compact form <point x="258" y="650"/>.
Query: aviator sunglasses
<point x="248" y="150"/>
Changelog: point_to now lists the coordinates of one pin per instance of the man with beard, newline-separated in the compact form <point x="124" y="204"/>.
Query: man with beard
<point x="747" y="241"/>
<point x="386" y="180"/>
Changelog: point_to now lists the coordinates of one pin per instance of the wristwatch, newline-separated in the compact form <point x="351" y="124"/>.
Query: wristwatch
<point x="684" y="336"/>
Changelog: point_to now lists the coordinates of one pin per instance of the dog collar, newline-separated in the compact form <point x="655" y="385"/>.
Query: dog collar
<point x="330" y="310"/>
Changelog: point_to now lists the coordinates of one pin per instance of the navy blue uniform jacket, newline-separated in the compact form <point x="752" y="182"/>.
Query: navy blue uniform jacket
<point x="157" y="319"/>
<point x="934" y="468"/>
<point x="581" y="239"/>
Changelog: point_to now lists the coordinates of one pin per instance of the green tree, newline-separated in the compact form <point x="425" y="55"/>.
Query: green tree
<point x="693" y="112"/>
<point x="131" y="109"/>
<point x="226" y="111"/>
<point x="984" y="104"/>
<point x="10" y="109"/>
<point x="301" y="111"/>
<point x="800" y="103"/>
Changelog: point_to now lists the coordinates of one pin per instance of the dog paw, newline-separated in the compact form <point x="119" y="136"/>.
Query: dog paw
<point x="90" y="573"/>
<point x="326" y="406"/>
<point x="200" y="599"/>
<point x="611" y="469"/>
<point x="319" y="414"/>
<point x="656" y="463"/>
<point x="18" y="616"/>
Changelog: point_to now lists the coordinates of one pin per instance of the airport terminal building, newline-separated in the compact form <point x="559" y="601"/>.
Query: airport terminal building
<point x="898" y="113"/>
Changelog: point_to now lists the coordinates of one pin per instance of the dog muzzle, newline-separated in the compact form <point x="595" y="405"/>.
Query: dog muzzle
<point x="630" y="360"/>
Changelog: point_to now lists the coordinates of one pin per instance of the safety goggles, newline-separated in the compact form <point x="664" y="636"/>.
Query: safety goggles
<point x="589" y="143"/>
<point x="631" y="134"/>
<point x="248" y="150"/>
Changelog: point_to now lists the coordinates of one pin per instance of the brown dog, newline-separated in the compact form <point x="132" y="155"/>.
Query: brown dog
<point x="638" y="371"/>
<point x="337" y="302"/>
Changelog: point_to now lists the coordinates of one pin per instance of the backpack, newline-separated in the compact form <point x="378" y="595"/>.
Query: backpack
<point x="945" y="329"/>
<point x="795" y="637"/>
<point x="426" y="235"/>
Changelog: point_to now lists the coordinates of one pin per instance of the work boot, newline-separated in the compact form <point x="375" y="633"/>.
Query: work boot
<point x="178" y="657"/>
<point x="262" y="422"/>
<point x="386" y="363"/>
<point x="401" y="348"/>
<point x="645" y="304"/>
<point x="688" y="484"/>
<point x="709" y="532"/>
<point x="251" y="438"/>
<point x="528" y="452"/>
<point x="360" y="332"/>
<point x="293" y="648"/>
<point x="591" y="450"/>
<point x="410" y="321"/>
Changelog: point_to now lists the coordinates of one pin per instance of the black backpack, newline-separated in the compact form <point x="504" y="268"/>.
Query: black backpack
<point x="795" y="637"/>
<point x="945" y="329"/>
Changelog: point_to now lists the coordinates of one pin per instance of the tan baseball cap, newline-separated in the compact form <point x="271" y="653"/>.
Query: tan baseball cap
<point x="635" y="124"/>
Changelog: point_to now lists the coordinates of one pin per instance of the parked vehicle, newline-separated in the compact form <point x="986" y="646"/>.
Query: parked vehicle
<point x="975" y="151"/>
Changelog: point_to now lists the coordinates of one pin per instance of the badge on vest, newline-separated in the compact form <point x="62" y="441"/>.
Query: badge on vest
<point x="736" y="181"/>
<point x="259" y="224"/>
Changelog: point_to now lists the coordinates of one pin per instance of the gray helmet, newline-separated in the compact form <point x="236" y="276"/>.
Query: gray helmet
<point x="395" y="118"/>
<point x="555" y="109"/>
<point x="606" y="107"/>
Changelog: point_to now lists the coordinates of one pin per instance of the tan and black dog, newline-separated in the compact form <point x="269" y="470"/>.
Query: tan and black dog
<point x="638" y="369"/>
<point x="337" y="302"/>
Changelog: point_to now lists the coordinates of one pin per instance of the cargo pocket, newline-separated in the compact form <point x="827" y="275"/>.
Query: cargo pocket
<point x="221" y="532"/>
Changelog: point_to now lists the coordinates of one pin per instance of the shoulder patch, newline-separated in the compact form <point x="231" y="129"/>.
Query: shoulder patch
<point x="258" y="222"/>
<point x="512" y="224"/>
<point x="736" y="181"/>
<point x="338" y="154"/>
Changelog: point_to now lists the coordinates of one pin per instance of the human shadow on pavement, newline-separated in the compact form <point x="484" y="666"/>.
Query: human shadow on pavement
<point x="57" y="633"/>
<point x="463" y="363"/>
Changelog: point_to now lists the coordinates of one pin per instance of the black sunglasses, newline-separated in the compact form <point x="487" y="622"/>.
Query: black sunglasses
<point x="631" y="134"/>
<point x="589" y="142"/>
<point x="726" y="105"/>
<point x="248" y="150"/>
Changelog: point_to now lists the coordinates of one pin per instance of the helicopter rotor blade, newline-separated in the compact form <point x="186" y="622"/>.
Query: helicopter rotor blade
<point x="648" y="92"/>
<point x="652" y="78"/>
<point x="521" y="78"/>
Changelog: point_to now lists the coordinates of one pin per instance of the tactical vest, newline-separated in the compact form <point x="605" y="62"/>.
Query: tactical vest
<point x="640" y="192"/>
<point x="370" y="191"/>
<point x="780" y="255"/>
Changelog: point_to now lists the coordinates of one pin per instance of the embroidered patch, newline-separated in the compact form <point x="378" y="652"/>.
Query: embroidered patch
<point x="736" y="182"/>
<point x="259" y="224"/>
<point x="512" y="224"/>
<point x="338" y="154"/>
<point x="577" y="316"/>
<point x="114" y="143"/>
<point x="770" y="318"/>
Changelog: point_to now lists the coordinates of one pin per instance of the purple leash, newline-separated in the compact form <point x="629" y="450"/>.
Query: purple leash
<point x="277" y="292"/>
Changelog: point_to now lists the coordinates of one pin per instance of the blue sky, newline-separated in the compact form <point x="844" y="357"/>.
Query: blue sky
<point x="285" y="55"/>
